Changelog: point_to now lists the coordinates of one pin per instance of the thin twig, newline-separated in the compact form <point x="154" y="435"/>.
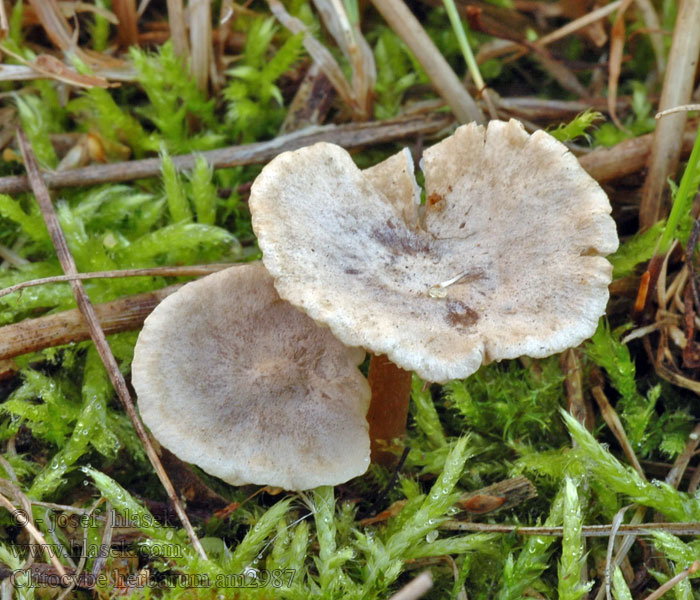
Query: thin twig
<point x="348" y="136"/>
<point x="58" y="238"/>
<point x="586" y="530"/>
<point x="185" y="271"/>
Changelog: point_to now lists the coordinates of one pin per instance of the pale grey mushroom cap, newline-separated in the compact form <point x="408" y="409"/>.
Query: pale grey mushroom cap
<point x="239" y="382"/>
<point x="513" y="228"/>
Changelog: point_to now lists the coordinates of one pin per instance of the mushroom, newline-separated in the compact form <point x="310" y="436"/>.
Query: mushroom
<point x="237" y="381"/>
<point x="504" y="259"/>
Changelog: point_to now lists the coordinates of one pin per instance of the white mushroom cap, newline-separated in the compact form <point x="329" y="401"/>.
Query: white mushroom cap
<point x="237" y="381"/>
<point x="507" y="259"/>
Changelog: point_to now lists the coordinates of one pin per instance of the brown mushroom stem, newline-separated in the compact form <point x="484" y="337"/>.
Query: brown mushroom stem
<point x="388" y="409"/>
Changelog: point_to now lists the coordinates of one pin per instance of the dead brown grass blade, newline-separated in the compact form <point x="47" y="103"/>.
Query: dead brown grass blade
<point x="319" y="53"/>
<point x="576" y="403"/>
<point x="200" y="41"/>
<point x="349" y="136"/>
<point x="592" y="17"/>
<point x="178" y="28"/>
<point x="127" y="30"/>
<point x="617" y="45"/>
<point x="4" y="24"/>
<point x="355" y="48"/>
<point x="675" y="580"/>
<point x="87" y="310"/>
<point x="613" y="421"/>
<point x="677" y="90"/>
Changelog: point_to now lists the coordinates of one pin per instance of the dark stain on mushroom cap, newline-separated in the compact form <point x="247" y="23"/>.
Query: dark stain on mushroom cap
<point x="397" y="238"/>
<point x="459" y="315"/>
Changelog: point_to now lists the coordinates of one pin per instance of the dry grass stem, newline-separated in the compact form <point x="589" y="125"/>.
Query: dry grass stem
<point x="623" y="546"/>
<point x="355" y="48"/>
<point x="311" y="103"/>
<point x="178" y="28"/>
<point x="185" y="271"/>
<point x="675" y="109"/>
<point x="677" y="90"/>
<point x="443" y="78"/>
<point x="416" y="588"/>
<point x="613" y="421"/>
<point x="681" y="463"/>
<point x="127" y="30"/>
<point x="671" y="583"/>
<point x="586" y="530"/>
<point x="319" y="53"/>
<point x="617" y="45"/>
<point x="349" y="136"/>
<point x="4" y="24"/>
<point x="200" y="41"/>
<point x="578" y="408"/>
<point x="87" y="310"/>
<point x="571" y="27"/>
<point x="33" y="532"/>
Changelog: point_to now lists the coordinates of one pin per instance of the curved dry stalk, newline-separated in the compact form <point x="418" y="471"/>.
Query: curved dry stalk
<point x="677" y="90"/>
<point x="87" y="310"/>
<point x="443" y="78"/>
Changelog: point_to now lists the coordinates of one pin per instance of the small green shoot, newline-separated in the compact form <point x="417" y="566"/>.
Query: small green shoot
<point x="578" y="127"/>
